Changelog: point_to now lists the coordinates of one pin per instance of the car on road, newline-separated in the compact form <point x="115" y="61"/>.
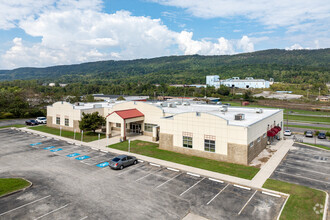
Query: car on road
<point x="321" y="135"/>
<point x="31" y="122"/>
<point x="309" y="134"/>
<point x="42" y="120"/>
<point x="287" y="133"/>
<point x="121" y="161"/>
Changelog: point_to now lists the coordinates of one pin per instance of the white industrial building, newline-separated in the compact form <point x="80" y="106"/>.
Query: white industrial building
<point x="236" y="82"/>
<point x="231" y="134"/>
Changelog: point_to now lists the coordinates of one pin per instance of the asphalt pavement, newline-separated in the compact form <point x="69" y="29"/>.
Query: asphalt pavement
<point x="12" y="122"/>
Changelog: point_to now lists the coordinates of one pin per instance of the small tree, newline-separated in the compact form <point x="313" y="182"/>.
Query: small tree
<point x="91" y="122"/>
<point x="120" y="98"/>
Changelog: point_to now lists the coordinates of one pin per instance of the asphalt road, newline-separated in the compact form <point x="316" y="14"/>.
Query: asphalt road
<point x="314" y="140"/>
<point x="12" y="122"/>
<point x="66" y="186"/>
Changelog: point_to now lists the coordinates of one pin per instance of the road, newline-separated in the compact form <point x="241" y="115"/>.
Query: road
<point x="313" y="140"/>
<point x="19" y="121"/>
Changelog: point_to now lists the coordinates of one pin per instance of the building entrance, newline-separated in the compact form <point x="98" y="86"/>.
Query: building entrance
<point x="135" y="128"/>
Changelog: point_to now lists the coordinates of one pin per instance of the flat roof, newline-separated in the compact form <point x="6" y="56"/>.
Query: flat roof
<point x="251" y="116"/>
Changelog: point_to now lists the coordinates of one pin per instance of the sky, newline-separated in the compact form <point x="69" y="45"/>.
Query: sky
<point x="39" y="33"/>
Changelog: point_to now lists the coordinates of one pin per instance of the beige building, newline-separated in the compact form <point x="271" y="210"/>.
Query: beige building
<point x="231" y="134"/>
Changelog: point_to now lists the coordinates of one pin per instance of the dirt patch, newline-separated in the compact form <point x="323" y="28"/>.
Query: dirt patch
<point x="257" y="166"/>
<point x="143" y="144"/>
<point x="271" y="151"/>
<point x="264" y="159"/>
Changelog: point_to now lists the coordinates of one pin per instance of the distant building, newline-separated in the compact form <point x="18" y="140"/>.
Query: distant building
<point x="63" y="85"/>
<point x="236" y="82"/>
<point x="51" y="84"/>
<point x="323" y="99"/>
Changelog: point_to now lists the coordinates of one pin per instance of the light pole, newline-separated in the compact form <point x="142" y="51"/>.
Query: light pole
<point x="60" y="131"/>
<point x="82" y="135"/>
<point x="129" y="145"/>
<point x="74" y="134"/>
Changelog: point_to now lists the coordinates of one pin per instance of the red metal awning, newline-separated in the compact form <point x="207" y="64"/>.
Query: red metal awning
<point x="128" y="113"/>
<point x="271" y="133"/>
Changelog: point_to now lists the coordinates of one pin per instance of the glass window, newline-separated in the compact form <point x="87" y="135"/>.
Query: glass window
<point x="259" y="139"/>
<point x="148" y="127"/>
<point x="251" y="144"/>
<point x="265" y="134"/>
<point x="124" y="159"/>
<point x="209" y="145"/>
<point x="187" y="142"/>
<point x="66" y="122"/>
<point x="118" y="125"/>
<point x="58" y="120"/>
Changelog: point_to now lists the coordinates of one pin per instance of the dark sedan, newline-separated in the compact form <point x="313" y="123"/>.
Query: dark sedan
<point x="122" y="161"/>
<point x="321" y="135"/>
<point x="31" y="122"/>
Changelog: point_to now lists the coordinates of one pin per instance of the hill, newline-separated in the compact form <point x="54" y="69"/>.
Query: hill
<point x="297" y="66"/>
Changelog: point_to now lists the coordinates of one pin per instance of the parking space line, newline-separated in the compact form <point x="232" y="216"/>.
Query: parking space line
<point x="140" y="161"/>
<point x="192" y="174"/>
<point x="217" y="194"/>
<point x="148" y="175"/>
<point x="247" y="202"/>
<point x="129" y="170"/>
<point x="305" y="169"/>
<point x="168" y="180"/>
<point x="242" y="187"/>
<point x="175" y="170"/>
<point x="192" y="186"/>
<point x="52" y="211"/>
<point x="215" y="180"/>
<point x="24" y="205"/>
<point x="303" y="177"/>
<point x="83" y="218"/>
<point x="153" y="164"/>
<point x="271" y="194"/>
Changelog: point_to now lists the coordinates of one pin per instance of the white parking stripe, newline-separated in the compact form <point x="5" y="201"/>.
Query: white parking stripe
<point x="215" y="180"/>
<point x="168" y="180"/>
<point x="153" y="164"/>
<point x="217" y="194"/>
<point x="147" y="175"/>
<point x="104" y="151"/>
<point x="247" y="202"/>
<point x="129" y="170"/>
<point x="52" y="211"/>
<point x="172" y="169"/>
<point x="192" y="186"/>
<point x="242" y="187"/>
<point x="84" y="218"/>
<point x="312" y="171"/>
<point x="141" y="161"/>
<point x="192" y="174"/>
<point x="271" y="194"/>
<point x="303" y="177"/>
<point x="24" y="205"/>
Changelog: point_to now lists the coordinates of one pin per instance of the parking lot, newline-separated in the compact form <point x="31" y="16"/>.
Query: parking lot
<point x="74" y="182"/>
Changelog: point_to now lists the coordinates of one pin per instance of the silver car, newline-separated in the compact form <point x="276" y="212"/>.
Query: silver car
<point x="121" y="161"/>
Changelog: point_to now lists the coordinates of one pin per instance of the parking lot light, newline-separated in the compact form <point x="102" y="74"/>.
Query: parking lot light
<point x="74" y="134"/>
<point x="60" y="131"/>
<point x="82" y="135"/>
<point x="129" y="145"/>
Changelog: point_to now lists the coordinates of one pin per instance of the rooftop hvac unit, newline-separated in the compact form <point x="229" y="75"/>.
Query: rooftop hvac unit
<point x="259" y="110"/>
<point x="171" y="105"/>
<point x="177" y="103"/>
<point x="186" y="103"/>
<point x="97" y="106"/>
<point x="223" y="108"/>
<point x="163" y="104"/>
<point x="239" y="117"/>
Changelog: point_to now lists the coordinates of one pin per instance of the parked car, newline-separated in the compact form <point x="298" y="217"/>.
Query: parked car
<point x="42" y="120"/>
<point x="321" y="135"/>
<point x="309" y="134"/>
<point x="122" y="161"/>
<point x="31" y="122"/>
<point x="287" y="133"/>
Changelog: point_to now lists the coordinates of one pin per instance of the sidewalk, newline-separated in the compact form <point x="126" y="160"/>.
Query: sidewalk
<point x="256" y="182"/>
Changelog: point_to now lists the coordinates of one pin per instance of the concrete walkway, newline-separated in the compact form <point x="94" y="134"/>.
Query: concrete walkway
<point x="256" y="182"/>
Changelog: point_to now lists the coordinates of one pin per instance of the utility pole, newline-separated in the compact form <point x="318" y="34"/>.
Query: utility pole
<point x="319" y="91"/>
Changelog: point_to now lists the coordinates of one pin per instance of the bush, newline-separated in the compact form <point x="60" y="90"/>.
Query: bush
<point x="317" y="132"/>
<point x="328" y="133"/>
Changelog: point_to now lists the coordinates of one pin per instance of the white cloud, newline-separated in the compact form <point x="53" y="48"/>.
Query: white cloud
<point x="295" y="47"/>
<point x="245" y="44"/>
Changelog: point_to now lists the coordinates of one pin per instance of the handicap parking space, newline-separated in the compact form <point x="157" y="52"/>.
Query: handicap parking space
<point x="102" y="157"/>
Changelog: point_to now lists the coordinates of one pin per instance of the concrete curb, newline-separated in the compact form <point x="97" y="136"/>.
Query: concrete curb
<point x="19" y="190"/>
<point x="307" y="145"/>
<point x="326" y="203"/>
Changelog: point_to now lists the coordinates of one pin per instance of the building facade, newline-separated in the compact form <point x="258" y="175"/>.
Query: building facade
<point x="230" y="134"/>
<point x="236" y="82"/>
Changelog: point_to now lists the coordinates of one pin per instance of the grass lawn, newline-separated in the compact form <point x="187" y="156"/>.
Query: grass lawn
<point x="319" y="146"/>
<point x="16" y="126"/>
<point x="324" y="120"/>
<point x="152" y="150"/>
<point x="301" y="201"/>
<point x="87" y="137"/>
<point x="9" y="185"/>
<point x="309" y="127"/>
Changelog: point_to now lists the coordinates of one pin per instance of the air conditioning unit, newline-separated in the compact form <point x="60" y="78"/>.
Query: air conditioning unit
<point x="259" y="110"/>
<point x="186" y="103"/>
<point x="163" y="104"/>
<point x="171" y="105"/>
<point x="223" y="108"/>
<point x="239" y="117"/>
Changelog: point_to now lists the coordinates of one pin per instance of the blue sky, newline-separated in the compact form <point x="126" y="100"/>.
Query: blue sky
<point x="53" y="32"/>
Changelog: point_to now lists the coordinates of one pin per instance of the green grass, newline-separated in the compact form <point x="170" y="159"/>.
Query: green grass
<point x="152" y="150"/>
<point x="87" y="137"/>
<point x="301" y="201"/>
<point x="306" y="112"/>
<point x="9" y="185"/>
<point x="324" y="120"/>
<point x="16" y="126"/>
<point x="309" y="127"/>
<point x="319" y="146"/>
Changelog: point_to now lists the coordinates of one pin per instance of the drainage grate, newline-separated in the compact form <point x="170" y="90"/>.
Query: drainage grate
<point x="320" y="158"/>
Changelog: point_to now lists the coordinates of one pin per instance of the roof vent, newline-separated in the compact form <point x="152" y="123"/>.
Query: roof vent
<point x="239" y="117"/>
<point x="186" y="103"/>
<point x="223" y="108"/>
<point x="259" y="110"/>
<point x="163" y="104"/>
<point x="171" y="105"/>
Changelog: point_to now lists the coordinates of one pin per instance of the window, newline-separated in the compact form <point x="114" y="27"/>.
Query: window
<point x="198" y="114"/>
<point x="124" y="159"/>
<point x="118" y="125"/>
<point x="259" y="139"/>
<point x="187" y="142"/>
<point x="66" y="122"/>
<point x="265" y="134"/>
<point x="58" y="120"/>
<point x="251" y="144"/>
<point x="209" y="145"/>
<point x="148" y="127"/>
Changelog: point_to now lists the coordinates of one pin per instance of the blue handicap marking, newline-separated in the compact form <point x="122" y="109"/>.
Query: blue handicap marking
<point x="47" y="148"/>
<point x="55" y="150"/>
<point x="104" y="164"/>
<point x="35" y="144"/>
<point x="82" y="157"/>
<point x="72" y="155"/>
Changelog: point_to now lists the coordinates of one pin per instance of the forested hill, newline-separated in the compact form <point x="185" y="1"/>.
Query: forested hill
<point x="296" y="66"/>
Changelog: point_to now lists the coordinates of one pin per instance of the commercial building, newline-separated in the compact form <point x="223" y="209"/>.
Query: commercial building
<point x="236" y="82"/>
<point x="230" y="134"/>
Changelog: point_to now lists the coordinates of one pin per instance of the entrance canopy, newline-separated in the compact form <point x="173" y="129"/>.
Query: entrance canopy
<point x="129" y="113"/>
